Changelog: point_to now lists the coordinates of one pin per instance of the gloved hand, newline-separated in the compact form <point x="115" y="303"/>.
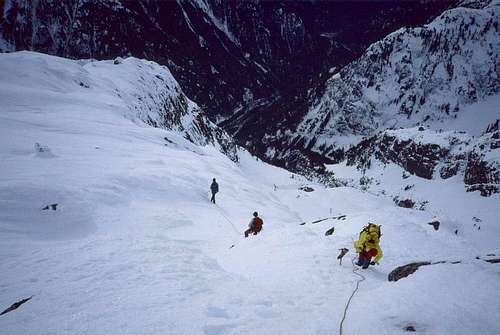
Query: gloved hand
<point x="374" y="263"/>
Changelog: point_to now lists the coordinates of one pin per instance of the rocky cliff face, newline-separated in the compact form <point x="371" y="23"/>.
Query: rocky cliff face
<point x="211" y="68"/>
<point x="429" y="154"/>
<point x="412" y="77"/>
<point x="226" y="55"/>
<point x="298" y="83"/>
<point x="421" y="77"/>
<point x="157" y="99"/>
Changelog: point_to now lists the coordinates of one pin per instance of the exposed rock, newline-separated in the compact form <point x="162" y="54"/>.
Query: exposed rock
<point x="435" y="223"/>
<point x="410" y="328"/>
<point x="406" y="203"/>
<point x="51" y="206"/>
<point x="415" y="157"/>
<point x="409" y="187"/>
<point x="16" y="305"/>
<point x="485" y="190"/>
<point x="482" y="174"/>
<point x="329" y="231"/>
<point x="405" y="270"/>
<point x="493" y="127"/>
<point x="227" y="55"/>
<point x="493" y="261"/>
<point x="408" y="269"/>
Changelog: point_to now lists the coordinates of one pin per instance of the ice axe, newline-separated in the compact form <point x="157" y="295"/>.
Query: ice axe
<point x="343" y="252"/>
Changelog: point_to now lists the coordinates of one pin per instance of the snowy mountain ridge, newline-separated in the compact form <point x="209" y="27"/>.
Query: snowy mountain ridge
<point x="106" y="222"/>
<point x="142" y="91"/>
<point x="439" y="77"/>
<point x="413" y="76"/>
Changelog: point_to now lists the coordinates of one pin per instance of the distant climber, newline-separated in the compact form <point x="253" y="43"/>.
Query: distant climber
<point x="255" y="225"/>
<point x="214" y="188"/>
<point x="368" y="246"/>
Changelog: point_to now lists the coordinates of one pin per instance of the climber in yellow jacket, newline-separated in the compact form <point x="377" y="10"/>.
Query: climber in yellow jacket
<point x="368" y="246"/>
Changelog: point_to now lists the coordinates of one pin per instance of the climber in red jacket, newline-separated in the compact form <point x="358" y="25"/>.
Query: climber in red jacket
<point x="255" y="225"/>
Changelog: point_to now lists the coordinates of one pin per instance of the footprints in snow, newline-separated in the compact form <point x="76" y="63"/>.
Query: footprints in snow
<point x="221" y="321"/>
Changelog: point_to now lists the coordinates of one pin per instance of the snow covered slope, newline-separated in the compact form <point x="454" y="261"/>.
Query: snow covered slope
<point x="138" y="90"/>
<point x="134" y="246"/>
<point x="413" y="76"/>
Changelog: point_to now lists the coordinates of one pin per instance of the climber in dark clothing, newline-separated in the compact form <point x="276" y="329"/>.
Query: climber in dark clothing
<point x="214" y="188"/>
<point x="255" y="225"/>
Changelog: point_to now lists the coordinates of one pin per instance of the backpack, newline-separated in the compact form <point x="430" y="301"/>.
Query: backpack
<point x="372" y="230"/>
<point x="258" y="223"/>
<point x="370" y="234"/>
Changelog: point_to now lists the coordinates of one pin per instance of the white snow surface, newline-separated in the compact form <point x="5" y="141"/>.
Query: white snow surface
<point x="135" y="246"/>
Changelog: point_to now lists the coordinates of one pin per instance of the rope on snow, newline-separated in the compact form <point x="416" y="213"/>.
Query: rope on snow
<point x="227" y="219"/>
<point x="362" y="278"/>
<point x="220" y="210"/>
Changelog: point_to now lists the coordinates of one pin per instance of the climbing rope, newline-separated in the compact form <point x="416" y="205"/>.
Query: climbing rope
<point x="362" y="278"/>
<point x="220" y="210"/>
<point x="227" y="219"/>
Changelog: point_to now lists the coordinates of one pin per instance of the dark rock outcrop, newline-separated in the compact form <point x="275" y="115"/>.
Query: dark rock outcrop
<point x="405" y="203"/>
<point x="434" y="223"/>
<point x="417" y="158"/>
<point x="405" y="270"/>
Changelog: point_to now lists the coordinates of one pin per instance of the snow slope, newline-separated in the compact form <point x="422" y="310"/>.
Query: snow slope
<point x="135" y="246"/>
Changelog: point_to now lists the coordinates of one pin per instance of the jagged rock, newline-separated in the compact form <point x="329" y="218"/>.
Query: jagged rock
<point x="493" y="127"/>
<point x="406" y="203"/>
<point x="482" y="175"/>
<point x="409" y="187"/>
<point x="329" y="231"/>
<point x="405" y="270"/>
<point x="485" y="190"/>
<point x="449" y="170"/>
<point x="51" y="206"/>
<point x="16" y="305"/>
<point x="415" y="157"/>
<point x="493" y="261"/>
<point x="410" y="328"/>
<point x="306" y="189"/>
<point x="430" y="87"/>
<point x="435" y="224"/>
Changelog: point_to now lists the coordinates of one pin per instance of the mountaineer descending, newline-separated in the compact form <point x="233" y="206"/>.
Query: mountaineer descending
<point x="368" y="246"/>
<point x="214" y="188"/>
<point x="255" y="225"/>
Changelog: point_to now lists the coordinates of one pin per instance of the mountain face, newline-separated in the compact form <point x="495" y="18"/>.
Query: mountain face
<point x="226" y="55"/>
<point x="413" y="76"/>
<point x="300" y="84"/>
<point x="428" y="77"/>
<point x="141" y="91"/>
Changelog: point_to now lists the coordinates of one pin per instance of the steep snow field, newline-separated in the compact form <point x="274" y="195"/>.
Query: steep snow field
<point x="135" y="246"/>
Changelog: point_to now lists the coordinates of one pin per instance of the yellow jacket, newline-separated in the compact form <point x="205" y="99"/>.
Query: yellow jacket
<point x="369" y="238"/>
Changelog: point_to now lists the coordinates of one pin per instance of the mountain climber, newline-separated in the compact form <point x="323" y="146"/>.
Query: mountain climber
<point x="214" y="188"/>
<point x="255" y="225"/>
<point x="368" y="246"/>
